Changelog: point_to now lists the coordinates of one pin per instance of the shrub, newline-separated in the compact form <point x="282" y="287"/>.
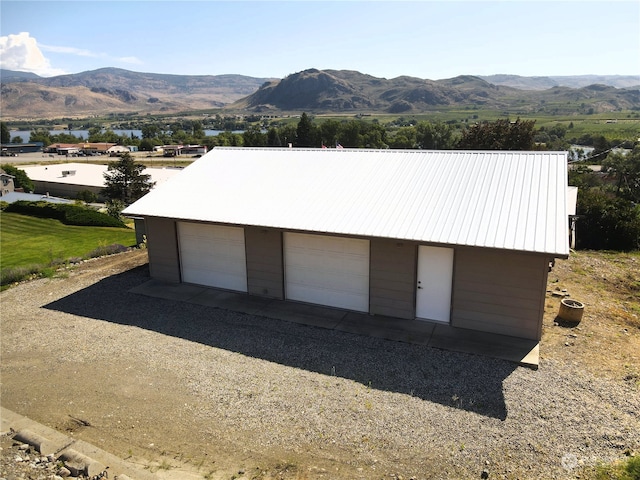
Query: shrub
<point x="87" y="196"/>
<point x="633" y="468"/>
<point x="627" y="470"/>
<point x="67" y="213"/>
<point x="607" y="222"/>
<point x="17" y="274"/>
<point x="101" y="251"/>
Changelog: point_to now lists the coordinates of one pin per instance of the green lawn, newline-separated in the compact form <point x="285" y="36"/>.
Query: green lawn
<point x="26" y="240"/>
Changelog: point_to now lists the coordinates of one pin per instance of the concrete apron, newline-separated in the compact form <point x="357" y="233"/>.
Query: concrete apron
<point x="518" y="350"/>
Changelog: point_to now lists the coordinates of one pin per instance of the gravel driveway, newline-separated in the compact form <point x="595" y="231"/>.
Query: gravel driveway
<point x="228" y="394"/>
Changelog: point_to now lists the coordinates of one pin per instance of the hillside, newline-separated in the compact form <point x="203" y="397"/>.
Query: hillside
<point x="111" y="90"/>
<point x="344" y="90"/>
<point x="573" y="81"/>
<point x="118" y="91"/>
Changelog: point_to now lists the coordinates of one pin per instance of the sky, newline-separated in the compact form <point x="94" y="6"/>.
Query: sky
<point x="428" y="39"/>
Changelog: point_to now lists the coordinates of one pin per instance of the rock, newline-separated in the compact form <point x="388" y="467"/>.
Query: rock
<point x="484" y="474"/>
<point x="64" y="472"/>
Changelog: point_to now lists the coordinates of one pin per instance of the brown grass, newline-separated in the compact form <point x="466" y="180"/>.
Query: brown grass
<point x="607" y="340"/>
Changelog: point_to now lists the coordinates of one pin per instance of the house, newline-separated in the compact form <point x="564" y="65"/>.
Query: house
<point x="463" y="238"/>
<point x="6" y="183"/>
<point x="117" y="150"/>
<point x="68" y="179"/>
<point x="15" y="149"/>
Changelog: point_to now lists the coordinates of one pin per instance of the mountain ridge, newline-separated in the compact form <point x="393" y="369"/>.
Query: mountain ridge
<point x="114" y="90"/>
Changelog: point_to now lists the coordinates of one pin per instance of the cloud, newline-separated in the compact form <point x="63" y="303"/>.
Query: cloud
<point x="21" y="52"/>
<point x="81" y="52"/>
<point x="68" y="50"/>
<point x="131" y="60"/>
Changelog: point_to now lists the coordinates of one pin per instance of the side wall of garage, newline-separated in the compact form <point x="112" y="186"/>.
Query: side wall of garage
<point x="265" y="271"/>
<point x="393" y="278"/>
<point x="493" y="290"/>
<point x="162" y="246"/>
<point x="500" y="292"/>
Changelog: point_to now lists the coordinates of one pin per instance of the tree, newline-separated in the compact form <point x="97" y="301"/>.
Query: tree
<point x="329" y="131"/>
<point x="21" y="180"/>
<point x="405" y="138"/>
<point x="146" y="145"/>
<point x="625" y="169"/>
<point x="150" y="131"/>
<point x="273" y="138"/>
<point x="87" y="196"/>
<point x="125" y="181"/>
<point x="5" y="133"/>
<point x="607" y="222"/>
<point x="435" y="136"/>
<point x="502" y="134"/>
<point x="253" y="137"/>
<point x="40" y="135"/>
<point x="17" y="139"/>
<point x="305" y="132"/>
<point x="197" y="130"/>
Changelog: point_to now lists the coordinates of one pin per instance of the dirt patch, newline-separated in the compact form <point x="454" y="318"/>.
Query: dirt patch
<point x="607" y="340"/>
<point x="189" y="392"/>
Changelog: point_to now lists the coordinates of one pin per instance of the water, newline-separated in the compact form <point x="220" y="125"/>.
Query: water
<point x="84" y="134"/>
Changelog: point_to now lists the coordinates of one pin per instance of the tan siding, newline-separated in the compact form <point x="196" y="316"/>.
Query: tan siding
<point x="265" y="277"/>
<point x="392" y="278"/>
<point x="162" y="245"/>
<point x="500" y="292"/>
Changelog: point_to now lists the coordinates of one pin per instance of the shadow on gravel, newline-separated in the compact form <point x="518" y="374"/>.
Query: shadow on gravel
<point x="462" y="381"/>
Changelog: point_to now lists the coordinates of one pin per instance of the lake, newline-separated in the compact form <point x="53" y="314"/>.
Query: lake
<point x="26" y="134"/>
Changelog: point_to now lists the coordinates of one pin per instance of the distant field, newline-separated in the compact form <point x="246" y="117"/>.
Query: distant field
<point x="29" y="240"/>
<point x="613" y="126"/>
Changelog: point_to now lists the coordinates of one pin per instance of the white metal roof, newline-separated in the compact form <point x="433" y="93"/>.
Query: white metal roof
<point x="506" y="200"/>
<point x="86" y="173"/>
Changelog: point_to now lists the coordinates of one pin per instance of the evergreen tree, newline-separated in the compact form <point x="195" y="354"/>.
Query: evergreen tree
<point x="305" y="132"/>
<point x="4" y="133"/>
<point x="125" y="181"/>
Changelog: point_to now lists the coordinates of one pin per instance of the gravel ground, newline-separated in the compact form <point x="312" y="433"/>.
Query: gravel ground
<point x="235" y="395"/>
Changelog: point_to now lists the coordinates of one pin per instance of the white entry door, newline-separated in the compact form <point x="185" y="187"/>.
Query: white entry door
<point x="435" y="281"/>
<point x="213" y="255"/>
<point x="326" y="270"/>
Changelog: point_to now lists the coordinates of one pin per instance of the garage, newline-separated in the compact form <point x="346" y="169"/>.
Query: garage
<point x="212" y="255"/>
<point x="326" y="270"/>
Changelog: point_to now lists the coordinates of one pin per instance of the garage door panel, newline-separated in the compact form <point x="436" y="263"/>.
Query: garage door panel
<point x="213" y="255"/>
<point x="326" y="270"/>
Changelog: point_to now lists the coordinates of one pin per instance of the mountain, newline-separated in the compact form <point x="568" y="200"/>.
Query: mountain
<point x="573" y="81"/>
<point x="14" y="76"/>
<point x="112" y="90"/>
<point x="323" y="91"/>
<point x="343" y="90"/>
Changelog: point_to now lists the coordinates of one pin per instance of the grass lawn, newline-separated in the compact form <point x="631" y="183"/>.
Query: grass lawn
<point x="26" y="240"/>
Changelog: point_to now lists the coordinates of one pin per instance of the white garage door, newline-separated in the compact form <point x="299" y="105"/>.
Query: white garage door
<point x="213" y="255"/>
<point x="331" y="271"/>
